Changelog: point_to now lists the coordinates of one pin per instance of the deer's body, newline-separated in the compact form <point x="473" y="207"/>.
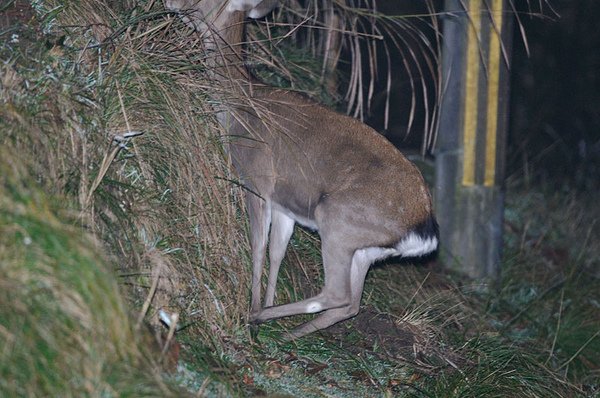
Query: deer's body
<point x="303" y="163"/>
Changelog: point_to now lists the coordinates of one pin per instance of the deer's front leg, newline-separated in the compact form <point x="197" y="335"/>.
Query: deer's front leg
<point x="282" y="228"/>
<point x="259" y="214"/>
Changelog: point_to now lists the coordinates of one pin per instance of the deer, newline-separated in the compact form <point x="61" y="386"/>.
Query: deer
<point x="303" y="163"/>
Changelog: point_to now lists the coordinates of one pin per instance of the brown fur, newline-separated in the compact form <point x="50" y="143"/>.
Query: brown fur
<point x="305" y="163"/>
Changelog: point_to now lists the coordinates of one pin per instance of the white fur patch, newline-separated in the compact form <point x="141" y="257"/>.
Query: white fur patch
<point x="313" y="307"/>
<point x="305" y="222"/>
<point x="413" y="245"/>
<point x="242" y="5"/>
<point x="369" y="255"/>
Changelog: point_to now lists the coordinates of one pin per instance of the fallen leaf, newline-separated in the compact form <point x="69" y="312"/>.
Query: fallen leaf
<point x="248" y="380"/>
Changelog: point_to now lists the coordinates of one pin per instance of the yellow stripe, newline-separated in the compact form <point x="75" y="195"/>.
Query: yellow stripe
<point x="492" y="94"/>
<point x="471" y="93"/>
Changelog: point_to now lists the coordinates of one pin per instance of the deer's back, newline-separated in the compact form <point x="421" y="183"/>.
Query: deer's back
<point x="303" y="155"/>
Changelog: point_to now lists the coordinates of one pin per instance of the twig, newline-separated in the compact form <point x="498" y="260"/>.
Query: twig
<point x="172" y="323"/>
<point x="579" y="350"/>
<point x="120" y="141"/>
<point x="562" y="296"/>
<point x="156" y="276"/>
<point x="202" y="388"/>
<point x="418" y="290"/>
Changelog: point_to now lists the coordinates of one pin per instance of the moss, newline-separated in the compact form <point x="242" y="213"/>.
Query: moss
<point x="64" y="329"/>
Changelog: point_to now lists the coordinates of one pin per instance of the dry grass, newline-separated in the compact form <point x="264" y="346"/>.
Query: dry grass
<point x="164" y="198"/>
<point x="105" y="109"/>
<point x="370" y="47"/>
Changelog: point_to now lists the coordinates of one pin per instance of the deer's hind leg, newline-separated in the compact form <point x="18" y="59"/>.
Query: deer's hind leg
<point x="361" y="262"/>
<point x="335" y="293"/>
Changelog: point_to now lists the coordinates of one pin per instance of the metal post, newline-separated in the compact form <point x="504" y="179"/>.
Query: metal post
<point x="469" y="193"/>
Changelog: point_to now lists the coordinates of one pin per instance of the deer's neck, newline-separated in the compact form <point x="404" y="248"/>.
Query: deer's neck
<point x="223" y="40"/>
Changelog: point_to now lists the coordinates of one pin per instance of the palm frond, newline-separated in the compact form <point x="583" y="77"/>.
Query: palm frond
<point x="367" y="45"/>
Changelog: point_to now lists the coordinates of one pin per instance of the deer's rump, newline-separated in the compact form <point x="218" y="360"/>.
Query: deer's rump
<point x="305" y="157"/>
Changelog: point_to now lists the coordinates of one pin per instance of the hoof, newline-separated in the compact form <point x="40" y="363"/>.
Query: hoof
<point x="254" y="318"/>
<point x="287" y="337"/>
<point x="253" y="329"/>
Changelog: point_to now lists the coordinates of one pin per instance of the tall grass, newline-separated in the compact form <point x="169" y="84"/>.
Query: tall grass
<point x="79" y="84"/>
<point x="163" y="199"/>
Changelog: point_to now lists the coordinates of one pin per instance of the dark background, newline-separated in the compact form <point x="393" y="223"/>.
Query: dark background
<point x="554" y="134"/>
<point x="554" y="118"/>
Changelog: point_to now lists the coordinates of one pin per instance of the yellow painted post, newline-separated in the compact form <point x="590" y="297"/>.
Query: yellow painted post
<point x="470" y="154"/>
<point x="493" y="92"/>
<point x="471" y="93"/>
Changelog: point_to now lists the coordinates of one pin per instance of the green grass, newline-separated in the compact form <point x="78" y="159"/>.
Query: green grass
<point x="494" y="368"/>
<point x="64" y="328"/>
<point x="551" y="286"/>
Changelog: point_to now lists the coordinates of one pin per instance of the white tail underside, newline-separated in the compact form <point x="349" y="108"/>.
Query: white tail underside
<point x="414" y="245"/>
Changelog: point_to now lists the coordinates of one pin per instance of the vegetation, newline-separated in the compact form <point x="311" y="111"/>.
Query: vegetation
<point x="117" y="201"/>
